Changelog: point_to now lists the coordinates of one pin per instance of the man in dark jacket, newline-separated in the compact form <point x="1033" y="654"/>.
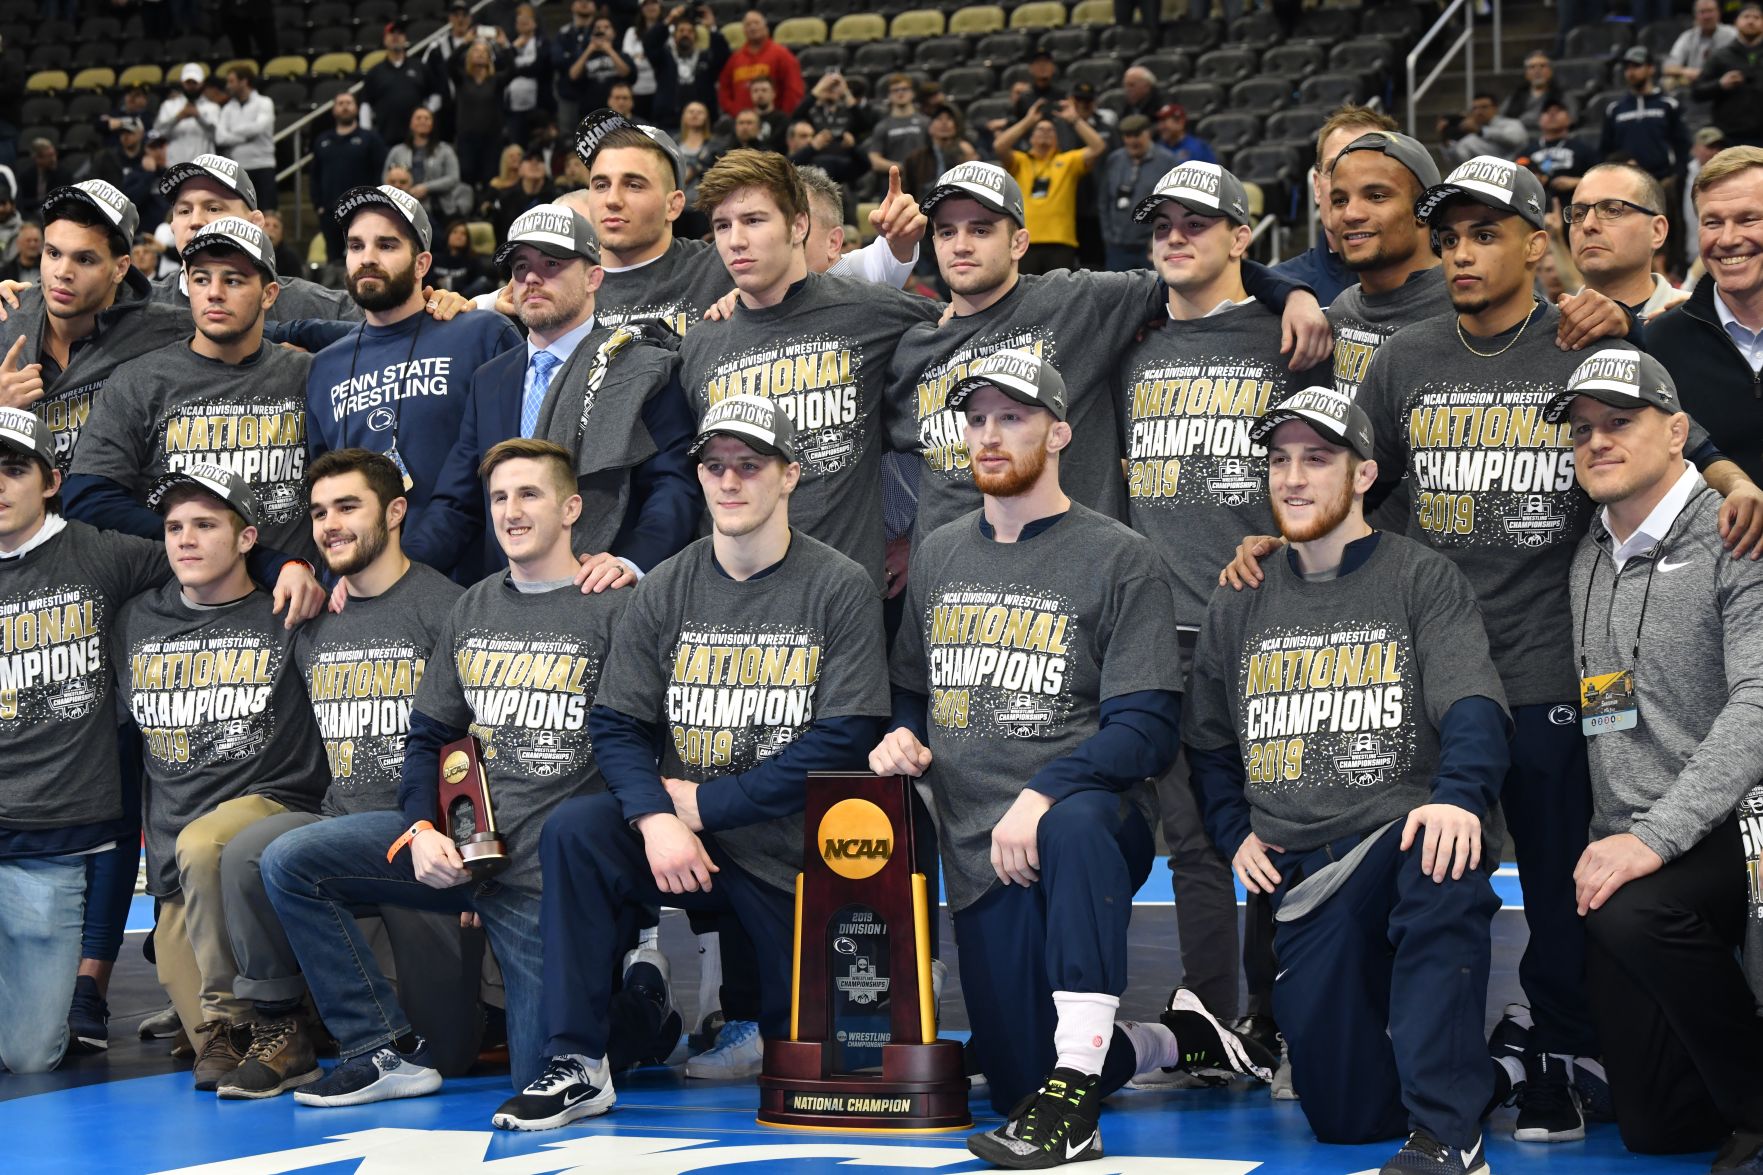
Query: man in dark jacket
<point x="1733" y="80"/>
<point x="347" y="156"/>
<point x="394" y="87"/>
<point x="1644" y="123"/>
<point x="683" y="72"/>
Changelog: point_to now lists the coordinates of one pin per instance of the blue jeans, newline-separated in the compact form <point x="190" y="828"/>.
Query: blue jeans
<point x="42" y="903"/>
<point x="320" y="876"/>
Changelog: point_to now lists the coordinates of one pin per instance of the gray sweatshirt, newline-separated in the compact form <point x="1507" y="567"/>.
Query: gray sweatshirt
<point x="172" y="408"/>
<point x="822" y="354"/>
<point x="1698" y="746"/>
<point x="1195" y="484"/>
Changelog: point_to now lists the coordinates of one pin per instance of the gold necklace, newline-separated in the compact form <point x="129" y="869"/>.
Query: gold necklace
<point x="1464" y="339"/>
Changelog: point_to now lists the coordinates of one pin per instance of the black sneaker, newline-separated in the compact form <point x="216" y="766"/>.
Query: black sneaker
<point x="647" y="976"/>
<point x="1051" y="1127"/>
<point x="1511" y="1036"/>
<point x="703" y="1040"/>
<point x="378" y="1076"/>
<point x="1208" y="1048"/>
<point x="1423" y="1154"/>
<point x="1548" y="1109"/>
<point x="1743" y="1152"/>
<point x="88" y="1018"/>
<point x="565" y="1091"/>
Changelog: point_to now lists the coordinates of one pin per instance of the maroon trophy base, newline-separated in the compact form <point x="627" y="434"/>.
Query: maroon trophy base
<point x="920" y="1087"/>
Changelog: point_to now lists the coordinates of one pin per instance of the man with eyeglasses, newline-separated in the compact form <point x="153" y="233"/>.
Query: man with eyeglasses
<point x="1615" y="226"/>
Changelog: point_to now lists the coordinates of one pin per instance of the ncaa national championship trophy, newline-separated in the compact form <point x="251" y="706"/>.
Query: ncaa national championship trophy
<point x="467" y="817"/>
<point x="863" y="1052"/>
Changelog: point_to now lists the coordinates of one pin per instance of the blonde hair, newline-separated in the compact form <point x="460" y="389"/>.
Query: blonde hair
<point x="1351" y="117"/>
<point x="1726" y="165"/>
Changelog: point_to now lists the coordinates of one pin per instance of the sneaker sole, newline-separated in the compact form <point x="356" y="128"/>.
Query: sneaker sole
<point x="997" y="1154"/>
<point x="88" y="1044"/>
<point x="592" y="1108"/>
<point x="235" y="1092"/>
<point x="1176" y="1080"/>
<point x="388" y="1088"/>
<point x="1534" y="1134"/>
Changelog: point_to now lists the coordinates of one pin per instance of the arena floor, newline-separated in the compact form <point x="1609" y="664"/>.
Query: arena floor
<point x="133" y="1112"/>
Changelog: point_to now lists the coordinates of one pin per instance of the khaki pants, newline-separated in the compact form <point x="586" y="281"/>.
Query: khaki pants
<point x="195" y="956"/>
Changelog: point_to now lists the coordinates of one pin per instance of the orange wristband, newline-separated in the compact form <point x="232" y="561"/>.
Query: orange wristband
<point x="409" y="835"/>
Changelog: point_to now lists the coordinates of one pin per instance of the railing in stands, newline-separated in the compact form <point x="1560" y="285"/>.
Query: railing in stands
<point x="1269" y="227"/>
<point x="296" y="130"/>
<point x="1465" y="41"/>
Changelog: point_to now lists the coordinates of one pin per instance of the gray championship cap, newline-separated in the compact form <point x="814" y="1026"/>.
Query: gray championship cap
<point x="1403" y="149"/>
<point x="987" y="183"/>
<point x="240" y="236"/>
<point x="404" y="207"/>
<point x="117" y="209"/>
<point x="555" y="230"/>
<point x="22" y="430"/>
<point x="761" y="424"/>
<point x="1021" y="375"/>
<point x="1332" y="414"/>
<point x="223" y="171"/>
<point x="1620" y="378"/>
<point x="224" y="484"/>
<point x="1205" y="188"/>
<point x="1490" y="180"/>
<point x="602" y="122"/>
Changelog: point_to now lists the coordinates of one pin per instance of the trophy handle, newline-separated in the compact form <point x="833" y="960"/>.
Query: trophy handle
<point x="796" y="968"/>
<point x="927" y="1004"/>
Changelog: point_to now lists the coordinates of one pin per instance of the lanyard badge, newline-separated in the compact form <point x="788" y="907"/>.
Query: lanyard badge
<point x="1607" y="703"/>
<point x="397" y="458"/>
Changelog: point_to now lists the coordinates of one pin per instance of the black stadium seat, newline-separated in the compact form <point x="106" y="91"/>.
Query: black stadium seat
<point x="288" y="96"/>
<point x="1661" y="35"/>
<point x="1581" y="74"/>
<point x="939" y="53"/>
<point x="1597" y="40"/>
<point x="1277" y="168"/>
<point x="1194" y="34"/>
<point x="1294" y="62"/>
<point x="1228" y="66"/>
<point x="1100" y="72"/>
<point x="1300" y="122"/>
<point x="1230" y="132"/>
<point x="329" y="15"/>
<point x="1330" y="89"/>
<point x="42" y="108"/>
<point x="1001" y="49"/>
<point x="93" y="54"/>
<point x="1367" y="57"/>
<point x="88" y="107"/>
<point x="1125" y="40"/>
<point x="1197" y="98"/>
<point x="1257" y="30"/>
<point x="968" y="82"/>
<point x="1262" y="95"/>
<point x="984" y="110"/>
<point x="878" y="56"/>
<point x="1067" y="44"/>
<point x="100" y="28"/>
<point x="1168" y="67"/>
<point x="326" y="89"/>
<point x="1327" y="24"/>
<point x="816" y="60"/>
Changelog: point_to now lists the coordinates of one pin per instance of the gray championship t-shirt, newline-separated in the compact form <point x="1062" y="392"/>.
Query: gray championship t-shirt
<point x="1362" y="321"/>
<point x="362" y="667"/>
<point x="172" y="408"/>
<point x="675" y="288"/>
<point x="1195" y="484"/>
<point x="1017" y="646"/>
<point x="58" y="603"/>
<point x="222" y="712"/>
<point x="1333" y="691"/>
<point x="823" y="354"/>
<point x="519" y="670"/>
<point x="737" y="671"/>
<point x="1490" y="481"/>
<point x="1082" y="321"/>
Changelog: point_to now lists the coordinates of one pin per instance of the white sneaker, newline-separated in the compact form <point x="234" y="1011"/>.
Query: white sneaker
<point x="739" y="1053"/>
<point x="565" y="1091"/>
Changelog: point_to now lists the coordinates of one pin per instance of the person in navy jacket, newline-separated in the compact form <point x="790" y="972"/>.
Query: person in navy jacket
<point x="612" y="399"/>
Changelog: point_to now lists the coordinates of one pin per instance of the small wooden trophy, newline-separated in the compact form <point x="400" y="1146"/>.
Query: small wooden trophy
<point x="466" y="813"/>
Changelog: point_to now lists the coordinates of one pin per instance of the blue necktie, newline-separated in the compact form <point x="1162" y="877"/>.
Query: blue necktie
<point x="539" y="370"/>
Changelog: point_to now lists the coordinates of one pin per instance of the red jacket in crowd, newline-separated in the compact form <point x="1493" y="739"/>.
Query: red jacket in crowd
<point x="770" y="60"/>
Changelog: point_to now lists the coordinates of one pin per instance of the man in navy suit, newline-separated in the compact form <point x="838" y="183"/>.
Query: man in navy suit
<point x="611" y="397"/>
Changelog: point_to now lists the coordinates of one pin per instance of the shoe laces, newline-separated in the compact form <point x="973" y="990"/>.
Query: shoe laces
<point x="1423" y="1143"/>
<point x="220" y="1039"/>
<point x="734" y="1035"/>
<point x="268" y="1036"/>
<point x="559" y="1072"/>
<point x="1547" y="1090"/>
<point x="1049" y="1113"/>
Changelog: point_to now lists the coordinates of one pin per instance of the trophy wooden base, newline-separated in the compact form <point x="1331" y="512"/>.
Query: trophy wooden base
<point x="484" y="855"/>
<point x="922" y="1087"/>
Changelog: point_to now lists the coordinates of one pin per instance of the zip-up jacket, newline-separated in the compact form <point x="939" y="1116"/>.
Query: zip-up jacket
<point x="1649" y="127"/>
<point x="1719" y="389"/>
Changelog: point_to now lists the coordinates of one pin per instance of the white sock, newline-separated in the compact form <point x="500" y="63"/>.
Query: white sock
<point x="1592" y="1066"/>
<point x="650" y="938"/>
<point x="1153" y="1045"/>
<point x="1514" y="1069"/>
<point x="1086" y="1025"/>
<point x="709" y="974"/>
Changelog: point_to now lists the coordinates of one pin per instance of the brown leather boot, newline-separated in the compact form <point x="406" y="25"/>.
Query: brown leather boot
<point x="221" y="1049"/>
<point x="281" y="1057"/>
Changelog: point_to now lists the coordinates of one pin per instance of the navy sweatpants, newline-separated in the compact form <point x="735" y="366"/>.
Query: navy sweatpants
<point x="1381" y="995"/>
<point x="599" y="893"/>
<point x="1067" y="932"/>
<point x="1547" y="798"/>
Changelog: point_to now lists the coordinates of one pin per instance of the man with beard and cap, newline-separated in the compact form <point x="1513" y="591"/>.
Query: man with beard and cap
<point x="1038" y="764"/>
<point x="224" y="397"/>
<point x="1193" y="485"/>
<point x="1081" y="320"/>
<point x="609" y="395"/>
<point x="1662" y="885"/>
<point x="1454" y="402"/>
<point x="1357" y="797"/>
<point x="187" y="119"/>
<point x="634" y="195"/>
<point x="362" y="667"/>
<point x="92" y="313"/>
<point x="397" y="384"/>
